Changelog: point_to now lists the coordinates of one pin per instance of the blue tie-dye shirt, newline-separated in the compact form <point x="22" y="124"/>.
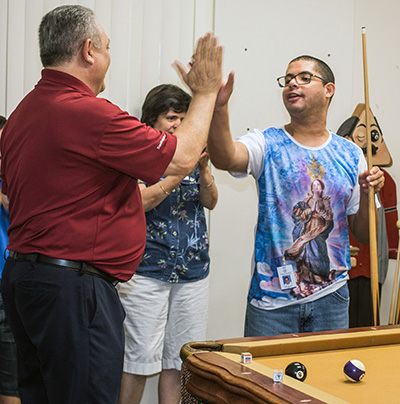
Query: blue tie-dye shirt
<point x="305" y="195"/>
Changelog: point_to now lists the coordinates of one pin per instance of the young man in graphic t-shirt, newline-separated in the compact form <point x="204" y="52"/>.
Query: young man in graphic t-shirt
<point x="312" y="187"/>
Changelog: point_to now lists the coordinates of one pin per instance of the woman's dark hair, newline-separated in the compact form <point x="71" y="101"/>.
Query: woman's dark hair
<point x="3" y="121"/>
<point x="161" y="99"/>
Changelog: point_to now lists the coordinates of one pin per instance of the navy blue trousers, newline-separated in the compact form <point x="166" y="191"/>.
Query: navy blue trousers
<point x="68" y="327"/>
<point x="8" y="357"/>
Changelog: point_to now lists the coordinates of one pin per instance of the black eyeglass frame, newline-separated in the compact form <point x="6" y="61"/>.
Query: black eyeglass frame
<point x="300" y="84"/>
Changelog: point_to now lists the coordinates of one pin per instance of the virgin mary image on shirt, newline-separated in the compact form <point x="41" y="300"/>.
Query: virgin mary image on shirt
<point x="313" y="221"/>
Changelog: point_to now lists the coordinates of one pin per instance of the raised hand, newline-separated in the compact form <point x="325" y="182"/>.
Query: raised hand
<point x="225" y="91"/>
<point x="203" y="160"/>
<point x="205" y="74"/>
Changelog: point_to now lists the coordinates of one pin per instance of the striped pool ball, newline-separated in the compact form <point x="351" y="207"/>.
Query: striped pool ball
<point x="354" y="370"/>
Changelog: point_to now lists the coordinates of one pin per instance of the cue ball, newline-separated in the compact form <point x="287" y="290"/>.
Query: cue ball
<point x="354" y="370"/>
<point x="296" y="370"/>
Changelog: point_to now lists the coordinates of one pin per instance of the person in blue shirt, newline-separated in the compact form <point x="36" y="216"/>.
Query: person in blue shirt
<point x="166" y="301"/>
<point x="8" y="351"/>
<point x="312" y="188"/>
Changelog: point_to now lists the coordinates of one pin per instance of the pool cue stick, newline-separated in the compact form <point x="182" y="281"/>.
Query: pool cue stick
<point x="395" y="286"/>
<point x="371" y="194"/>
<point x="397" y="317"/>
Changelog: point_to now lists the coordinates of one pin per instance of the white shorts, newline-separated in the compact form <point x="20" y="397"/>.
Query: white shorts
<point x="160" y="318"/>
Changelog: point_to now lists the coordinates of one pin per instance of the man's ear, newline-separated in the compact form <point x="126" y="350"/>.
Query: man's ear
<point x="87" y="51"/>
<point x="330" y="89"/>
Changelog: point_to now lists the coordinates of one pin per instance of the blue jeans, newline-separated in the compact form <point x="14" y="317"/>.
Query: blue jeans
<point x="68" y="327"/>
<point x="327" y="313"/>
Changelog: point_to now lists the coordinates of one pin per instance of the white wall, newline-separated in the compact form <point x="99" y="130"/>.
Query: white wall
<point x="146" y="37"/>
<point x="260" y="37"/>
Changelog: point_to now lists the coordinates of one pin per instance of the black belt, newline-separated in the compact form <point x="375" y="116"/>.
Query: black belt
<point x="77" y="266"/>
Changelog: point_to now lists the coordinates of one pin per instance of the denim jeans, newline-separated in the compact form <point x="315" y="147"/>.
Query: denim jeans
<point x="330" y="312"/>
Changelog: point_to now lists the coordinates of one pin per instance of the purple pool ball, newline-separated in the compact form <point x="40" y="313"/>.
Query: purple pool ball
<point x="354" y="370"/>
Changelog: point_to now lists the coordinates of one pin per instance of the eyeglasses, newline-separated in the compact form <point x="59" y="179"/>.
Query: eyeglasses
<point x="301" y="79"/>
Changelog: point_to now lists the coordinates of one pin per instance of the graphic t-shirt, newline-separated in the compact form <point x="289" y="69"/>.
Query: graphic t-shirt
<point x="302" y="249"/>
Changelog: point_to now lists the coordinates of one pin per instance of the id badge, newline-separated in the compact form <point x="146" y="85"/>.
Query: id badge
<point x="286" y="277"/>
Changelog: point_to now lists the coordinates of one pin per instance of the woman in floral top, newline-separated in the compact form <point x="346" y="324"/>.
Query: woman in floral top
<point x="166" y="302"/>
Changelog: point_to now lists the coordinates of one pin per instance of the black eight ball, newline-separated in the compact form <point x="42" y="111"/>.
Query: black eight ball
<point x="296" y="370"/>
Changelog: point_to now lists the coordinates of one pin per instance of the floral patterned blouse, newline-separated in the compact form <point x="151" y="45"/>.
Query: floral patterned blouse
<point x="177" y="239"/>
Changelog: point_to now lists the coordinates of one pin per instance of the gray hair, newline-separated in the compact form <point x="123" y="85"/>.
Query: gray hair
<point x="63" y="31"/>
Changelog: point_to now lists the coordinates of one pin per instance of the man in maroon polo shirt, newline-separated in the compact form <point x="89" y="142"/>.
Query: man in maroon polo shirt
<point x="70" y="165"/>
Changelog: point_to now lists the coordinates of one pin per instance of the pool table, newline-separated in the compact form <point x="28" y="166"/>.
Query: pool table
<point x="213" y="372"/>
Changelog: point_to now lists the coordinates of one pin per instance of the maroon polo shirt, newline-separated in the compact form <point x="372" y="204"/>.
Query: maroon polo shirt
<point x="70" y="164"/>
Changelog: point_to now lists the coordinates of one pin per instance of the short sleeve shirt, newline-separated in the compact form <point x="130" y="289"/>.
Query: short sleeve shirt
<point x="70" y="165"/>
<point x="305" y="195"/>
<point x="177" y="240"/>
